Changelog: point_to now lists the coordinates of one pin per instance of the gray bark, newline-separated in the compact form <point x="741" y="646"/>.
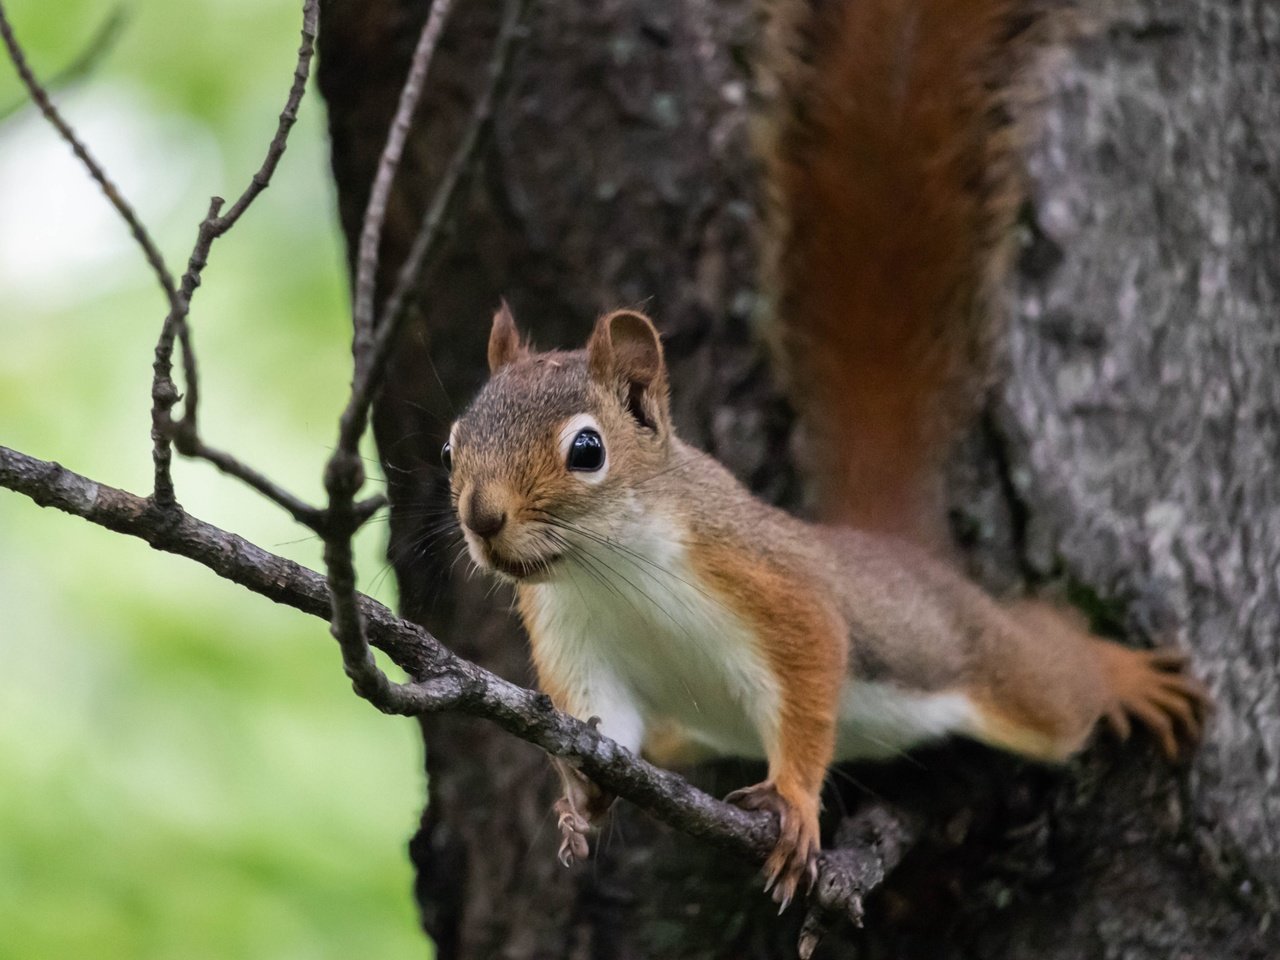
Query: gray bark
<point x="1127" y="457"/>
<point x="1146" y="408"/>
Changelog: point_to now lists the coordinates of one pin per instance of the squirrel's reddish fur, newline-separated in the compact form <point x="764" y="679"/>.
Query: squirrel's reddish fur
<point x="895" y="183"/>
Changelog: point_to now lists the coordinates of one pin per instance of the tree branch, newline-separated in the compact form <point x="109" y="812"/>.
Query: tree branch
<point x="103" y="39"/>
<point x="164" y="394"/>
<point x="380" y="192"/>
<point x="411" y="270"/>
<point x="441" y="679"/>
<point x="868" y="847"/>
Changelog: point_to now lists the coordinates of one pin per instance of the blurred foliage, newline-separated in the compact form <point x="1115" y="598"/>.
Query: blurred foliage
<point x="184" y="770"/>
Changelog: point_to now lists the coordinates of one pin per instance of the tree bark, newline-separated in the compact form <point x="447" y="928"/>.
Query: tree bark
<point x="1127" y="458"/>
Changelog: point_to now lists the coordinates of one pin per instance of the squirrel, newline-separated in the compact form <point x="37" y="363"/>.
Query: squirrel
<point x="659" y="595"/>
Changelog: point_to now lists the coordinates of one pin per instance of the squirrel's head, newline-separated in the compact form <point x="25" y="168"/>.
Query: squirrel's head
<point x="554" y="450"/>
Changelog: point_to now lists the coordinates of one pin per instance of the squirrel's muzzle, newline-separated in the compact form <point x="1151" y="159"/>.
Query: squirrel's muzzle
<point x="483" y="515"/>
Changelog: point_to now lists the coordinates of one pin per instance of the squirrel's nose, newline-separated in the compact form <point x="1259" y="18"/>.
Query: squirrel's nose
<point x="483" y="513"/>
<point x="487" y="523"/>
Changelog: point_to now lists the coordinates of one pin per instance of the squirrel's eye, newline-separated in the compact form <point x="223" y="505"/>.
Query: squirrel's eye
<point x="446" y="456"/>
<point x="586" y="452"/>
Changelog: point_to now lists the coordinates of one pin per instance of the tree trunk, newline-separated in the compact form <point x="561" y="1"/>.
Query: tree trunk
<point x="1128" y="459"/>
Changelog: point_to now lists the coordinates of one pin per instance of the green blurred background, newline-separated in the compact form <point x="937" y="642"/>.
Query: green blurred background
<point x="184" y="771"/>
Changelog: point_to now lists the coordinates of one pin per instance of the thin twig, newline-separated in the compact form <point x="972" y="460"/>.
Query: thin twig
<point x="304" y="513"/>
<point x="103" y="39"/>
<point x="375" y="213"/>
<point x="344" y="473"/>
<point x="288" y="117"/>
<point x="443" y="680"/>
<point x="388" y="325"/>
<point x="40" y="96"/>
<point x="164" y="394"/>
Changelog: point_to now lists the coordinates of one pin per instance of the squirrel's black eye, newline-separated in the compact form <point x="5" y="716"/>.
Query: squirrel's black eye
<point x="586" y="452"/>
<point x="446" y="456"/>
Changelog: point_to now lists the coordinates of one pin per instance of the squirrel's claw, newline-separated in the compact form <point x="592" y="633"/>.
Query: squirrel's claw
<point x="793" y="860"/>
<point x="573" y="849"/>
<point x="1155" y="689"/>
<point x="760" y="796"/>
<point x="574" y="827"/>
<point x="795" y="857"/>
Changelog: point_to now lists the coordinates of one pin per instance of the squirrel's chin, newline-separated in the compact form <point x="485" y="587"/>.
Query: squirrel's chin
<point x="523" y="571"/>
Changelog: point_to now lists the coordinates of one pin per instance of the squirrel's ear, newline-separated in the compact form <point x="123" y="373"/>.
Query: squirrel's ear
<point x="504" y="340"/>
<point x="625" y="351"/>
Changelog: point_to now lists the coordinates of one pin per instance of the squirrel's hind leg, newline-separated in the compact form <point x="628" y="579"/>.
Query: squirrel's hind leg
<point x="1154" y="688"/>
<point x="1056" y="681"/>
<point x="580" y="808"/>
<point x="590" y="694"/>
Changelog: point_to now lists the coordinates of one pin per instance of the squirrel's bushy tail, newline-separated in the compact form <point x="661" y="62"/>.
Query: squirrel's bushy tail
<point x="895" y="179"/>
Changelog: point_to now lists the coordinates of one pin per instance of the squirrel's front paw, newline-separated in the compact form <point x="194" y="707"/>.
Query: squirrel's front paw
<point x="795" y="857"/>
<point x="574" y="828"/>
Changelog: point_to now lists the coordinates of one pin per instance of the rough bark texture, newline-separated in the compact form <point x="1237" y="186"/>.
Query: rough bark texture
<point x="1129" y="457"/>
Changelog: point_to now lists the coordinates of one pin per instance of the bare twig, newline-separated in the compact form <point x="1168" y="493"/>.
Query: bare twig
<point x="164" y="394"/>
<point x="868" y="847"/>
<point x="380" y="192"/>
<point x="442" y="679"/>
<point x="103" y="39"/>
<point x="410" y="271"/>
<point x="344" y="473"/>
<point x="288" y="117"/>
<point x="40" y="96"/>
<point x="190" y="445"/>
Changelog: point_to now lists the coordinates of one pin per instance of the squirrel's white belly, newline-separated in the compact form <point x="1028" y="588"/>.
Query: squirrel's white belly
<point x="880" y="720"/>
<point x="632" y="637"/>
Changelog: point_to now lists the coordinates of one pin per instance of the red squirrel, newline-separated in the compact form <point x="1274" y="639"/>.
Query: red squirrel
<point x="663" y="598"/>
